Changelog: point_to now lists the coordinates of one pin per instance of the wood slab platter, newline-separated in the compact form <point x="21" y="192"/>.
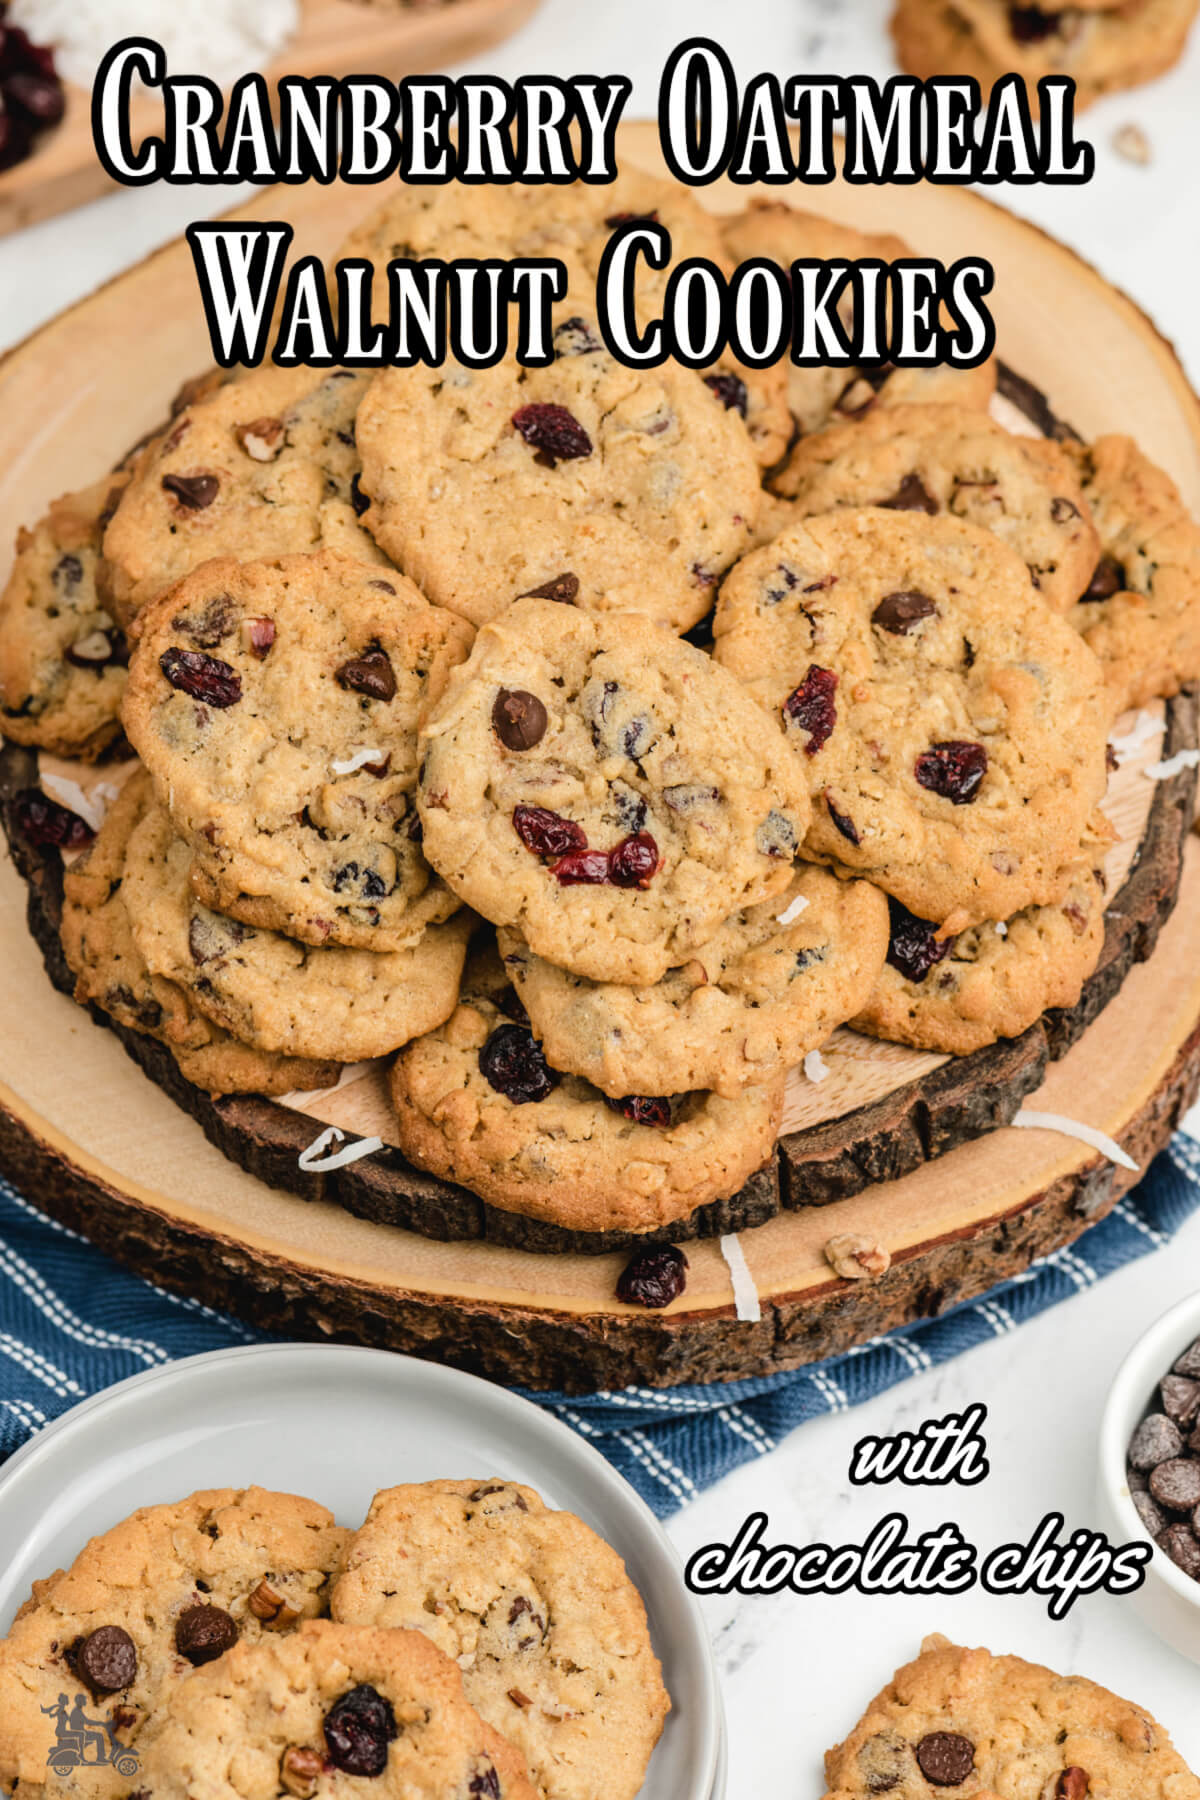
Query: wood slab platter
<point x="889" y="1145"/>
<point x="336" y="37"/>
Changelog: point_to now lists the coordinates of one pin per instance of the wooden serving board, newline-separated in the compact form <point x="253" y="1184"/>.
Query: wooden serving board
<point x="336" y="37"/>
<point x="100" y="1146"/>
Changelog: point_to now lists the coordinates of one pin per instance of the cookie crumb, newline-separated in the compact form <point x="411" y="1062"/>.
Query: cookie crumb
<point x="855" y="1258"/>
<point x="1131" y="143"/>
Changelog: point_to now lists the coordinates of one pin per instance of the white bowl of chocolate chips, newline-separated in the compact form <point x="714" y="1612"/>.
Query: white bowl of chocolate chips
<point x="1150" y="1471"/>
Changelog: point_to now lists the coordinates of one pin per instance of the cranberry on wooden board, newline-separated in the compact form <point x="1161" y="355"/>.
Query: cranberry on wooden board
<point x="654" y="1277"/>
<point x="513" y="1063"/>
<point x="208" y="679"/>
<point x="31" y="94"/>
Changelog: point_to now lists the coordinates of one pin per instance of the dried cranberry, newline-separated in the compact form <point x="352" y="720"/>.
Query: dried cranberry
<point x="655" y="1277"/>
<point x="1030" y="24"/>
<point x="358" y="1729"/>
<point x="730" y="391"/>
<point x="844" y="823"/>
<point x="546" y="833"/>
<point x="1108" y="578"/>
<point x="40" y="97"/>
<point x="913" y="947"/>
<point x="205" y="678"/>
<point x="371" y="674"/>
<point x="811" y="707"/>
<point x="953" y="769"/>
<point x="899" y="612"/>
<point x="563" y="588"/>
<point x="583" y="868"/>
<point x="634" y="862"/>
<point x="193" y="491"/>
<point x="43" y="821"/>
<point x="911" y="496"/>
<point x="552" y="431"/>
<point x="485" y="1783"/>
<point x="575" y="337"/>
<point x="643" y="1109"/>
<point x="513" y="1063"/>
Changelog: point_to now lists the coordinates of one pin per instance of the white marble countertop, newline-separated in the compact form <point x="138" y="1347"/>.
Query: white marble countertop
<point x="798" y="1672"/>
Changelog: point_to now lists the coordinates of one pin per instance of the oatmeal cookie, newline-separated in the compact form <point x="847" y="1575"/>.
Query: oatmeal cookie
<point x="992" y="981"/>
<point x="1140" y="611"/>
<point x="944" y="459"/>
<point x="275" y="705"/>
<point x="772" y="984"/>
<point x="166" y="1591"/>
<point x="989" y="1727"/>
<point x="952" y="734"/>
<point x="615" y="489"/>
<point x="606" y="789"/>
<point x="98" y="943"/>
<point x="477" y="1103"/>
<point x="264" y="466"/>
<point x="536" y="1610"/>
<point x="330" y="1712"/>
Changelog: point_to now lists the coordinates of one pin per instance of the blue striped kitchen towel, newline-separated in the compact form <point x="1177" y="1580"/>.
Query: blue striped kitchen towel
<point x="72" y="1323"/>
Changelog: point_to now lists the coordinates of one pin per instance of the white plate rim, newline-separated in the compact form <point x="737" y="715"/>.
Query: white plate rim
<point x="23" y="1467"/>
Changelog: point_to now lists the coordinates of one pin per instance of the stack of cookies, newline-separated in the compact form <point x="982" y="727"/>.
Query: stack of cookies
<point x="466" y="1641"/>
<point x="593" y="742"/>
<point x="1102" y="46"/>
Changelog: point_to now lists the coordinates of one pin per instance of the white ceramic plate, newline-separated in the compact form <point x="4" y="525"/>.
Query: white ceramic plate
<point x="337" y="1424"/>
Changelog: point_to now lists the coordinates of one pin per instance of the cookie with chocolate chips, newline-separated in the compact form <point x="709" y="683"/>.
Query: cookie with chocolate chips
<point x="478" y="1103"/>
<point x="823" y="396"/>
<point x="169" y="1589"/>
<point x="62" y="657"/>
<point x="605" y="789"/>
<point x="616" y="489"/>
<point x="111" y="973"/>
<point x="956" y="994"/>
<point x="1140" y="608"/>
<point x="951" y="732"/>
<point x="772" y="984"/>
<point x="265" y="466"/>
<point x="945" y="459"/>
<point x="275" y="705"/>
<point x="966" y="1722"/>
<point x="335" y="1710"/>
<point x="266" y="989"/>
<point x="537" y="1611"/>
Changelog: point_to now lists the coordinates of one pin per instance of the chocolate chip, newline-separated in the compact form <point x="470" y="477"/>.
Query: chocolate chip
<point x="899" y="612"/>
<point x="1189" y="1363"/>
<point x="654" y="1277"/>
<point x="1181" y="1400"/>
<point x="911" y="496"/>
<point x="1108" y="578"/>
<point x="946" y="1758"/>
<point x="1149" y="1511"/>
<point x="358" y="499"/>
<point x="213" y="623"/>
<point x="631" y="218"/>
<point x="575" y="337"/>
<point x="553" y="432"/>
<point x="44" y="822"/>
<point x="1175" y="1484"/>
<point x="370" y="674"/>
<point x="811" y="707"/>
<point x="1031" y="24"/>
<point x="485" y="1782"/>
<point x="1073" y="1784"/>
<point x="514" y="1064"/>
<point x="730" y="391"/>
<point x="1062" y="511"/>
<point x="206" y="678"/>
<point x="953" y="770"/>
<point x="563" y="588"/>
<point x="642" y="1109"/>
<point x="1155" y="1441"/>
<point x="106" y="1660"/>
<point x="358" y="1729"/>
<point x="193" y="491"/>
<point x="843" y="822"/>
<point x="202" y="1633"/>
<point x="518" y="719"/>
<point x="913" y="946"/>
<point x="1183" y="1547"/>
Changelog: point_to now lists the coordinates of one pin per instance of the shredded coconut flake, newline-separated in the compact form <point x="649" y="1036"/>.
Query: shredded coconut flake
<point x="219" y="38"/>
<point x="815" y="1066"/>
<point x="90" y="807"/>
<point x="359" y="760"/>
<point x="793" y="911"/>
<point x="1087" y="1134"/>
<point x="1146" y="727"/>
<point x="313" y="1159"/>
<point x="745" y="1294"/>
<point x="1163" y="771"/>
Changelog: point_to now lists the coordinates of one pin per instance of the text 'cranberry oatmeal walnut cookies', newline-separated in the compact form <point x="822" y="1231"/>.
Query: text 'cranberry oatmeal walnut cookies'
<point x="276" y="706"/>
<point x="537" y="1611"/>
<point x="617" y="489"/>
<point x="606" y="789"/>
<point x="952" y="734"/>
